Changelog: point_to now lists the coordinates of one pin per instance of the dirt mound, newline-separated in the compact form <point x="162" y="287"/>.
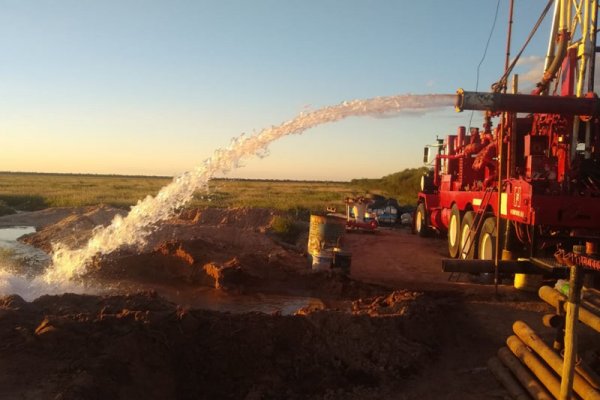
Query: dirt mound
<point x="227" y="266"/>
<point x="399" y="302"/>
<point x="38" y="219"/>
<point x="239" y="226"/>
<point x="338" y="337"/>
<point x="220" y="248"/>
<point x="257" y="219"/>
<point x="140" y="346"/>
<point x="73" y="230"/>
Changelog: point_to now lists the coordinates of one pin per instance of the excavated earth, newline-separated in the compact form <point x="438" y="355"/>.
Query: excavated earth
<point x="395" y="328"/>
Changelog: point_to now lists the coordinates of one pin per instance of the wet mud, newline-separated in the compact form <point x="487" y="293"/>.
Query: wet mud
<point x="213" y="306"/>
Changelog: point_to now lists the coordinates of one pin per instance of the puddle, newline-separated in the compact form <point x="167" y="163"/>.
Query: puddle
<point x="208" y="298"/>
<point x="21" y="263"/>
<point x="19" y="258"/>
<point x="212" y="299"/>
<point x="11" y="234"/>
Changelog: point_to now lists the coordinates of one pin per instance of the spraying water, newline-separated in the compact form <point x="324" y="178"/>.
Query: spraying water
<point x="133" y="229"/>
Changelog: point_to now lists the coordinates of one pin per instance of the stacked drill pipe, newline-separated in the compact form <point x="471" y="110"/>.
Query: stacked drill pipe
<point x="504" y="376"/>
<point x="552" y="297"/>
<point x="535" y="365"/>
<point x="528" y="361"/>
<point x="505" y="364"/>
<point x="531" y="361"/>
<point x="591" y="300"/>
<point x="528" y="337"/>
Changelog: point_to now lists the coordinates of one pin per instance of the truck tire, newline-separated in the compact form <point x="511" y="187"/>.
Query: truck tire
<point x="468" y="238"/>
<point x="486" y="247"/>
<point x="454" y="232"/>
<point x="421" y="221"/>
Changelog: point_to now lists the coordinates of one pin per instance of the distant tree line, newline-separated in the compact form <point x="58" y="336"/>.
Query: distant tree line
<point x="403" y="185"/>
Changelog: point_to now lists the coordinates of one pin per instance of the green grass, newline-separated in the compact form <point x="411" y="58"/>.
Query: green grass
<point x="286" y="228"/>
<point x="5" y="209"/>
<point x="35" y="191"/>
<point x="403" y="185"/>
<point x="31" y="191"/>
<point x="282" y="195"/>
<point x="28" y="191"/>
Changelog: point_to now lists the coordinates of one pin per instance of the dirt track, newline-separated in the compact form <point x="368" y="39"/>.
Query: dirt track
<point x="397" y="329"/>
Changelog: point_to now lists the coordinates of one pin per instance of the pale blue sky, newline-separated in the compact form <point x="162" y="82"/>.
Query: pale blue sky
<point x="153" y="87"/>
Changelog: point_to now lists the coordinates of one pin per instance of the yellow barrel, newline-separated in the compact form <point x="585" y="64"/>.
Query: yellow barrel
<point x="324" y="232"/>
<point x="528" y="282"/>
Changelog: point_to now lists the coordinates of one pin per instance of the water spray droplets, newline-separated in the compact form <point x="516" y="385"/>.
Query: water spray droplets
<point x="143" y="219"/>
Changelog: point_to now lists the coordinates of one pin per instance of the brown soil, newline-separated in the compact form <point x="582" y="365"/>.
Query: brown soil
<point x="396" y="328"/>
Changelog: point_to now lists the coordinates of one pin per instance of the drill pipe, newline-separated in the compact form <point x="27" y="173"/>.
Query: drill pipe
<point x="537" y="367"/>
<point x="507" y="380"/>
<point x="552" y="297"/>
<point x="526" y="103"/>
<point x="533" y="341"/>
<point x="532" y="386"/>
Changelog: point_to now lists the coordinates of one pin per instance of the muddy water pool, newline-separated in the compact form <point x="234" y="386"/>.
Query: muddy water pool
<point x="19" y="258"/>
<point x="218" y="300"/>
<point x="20" y="264"/>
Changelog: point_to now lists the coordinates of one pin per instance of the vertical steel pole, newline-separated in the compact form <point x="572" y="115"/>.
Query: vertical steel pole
<point x="571" y="321"/>
<point x="584" y="48"/>
<point x="508" y="38"/>
<point x="500" y="149"/>
<point x="551" y="42"/>
<point x="593" y="23"/>
<point x="589" y="40"/>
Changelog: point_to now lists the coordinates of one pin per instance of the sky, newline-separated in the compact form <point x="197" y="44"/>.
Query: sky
<point x="154" y="87"/>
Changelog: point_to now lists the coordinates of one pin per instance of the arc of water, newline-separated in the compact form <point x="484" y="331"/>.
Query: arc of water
<point x="142" y="219"/>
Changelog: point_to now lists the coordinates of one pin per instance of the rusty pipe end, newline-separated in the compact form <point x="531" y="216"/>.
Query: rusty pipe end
<point x="460" y="98"/>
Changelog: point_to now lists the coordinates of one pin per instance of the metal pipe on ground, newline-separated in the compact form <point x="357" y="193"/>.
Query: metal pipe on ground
<point x="507" y="380"/>
<point x="589" y="375"/>
<point x="537" y="367"/>
<point x="552" y="297"/>
<point x="591" y="307"/>
<point x="592" y="300"/>
<point x="552" y="320"/>
<point x="593" y="292"/>
<point x="581" y="386"/>
<point x="588" y="303"/>
<point x="557" y="322"/>
<point x="523" y="375"/>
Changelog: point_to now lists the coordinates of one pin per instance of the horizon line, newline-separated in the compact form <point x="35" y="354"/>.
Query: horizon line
<point x="109" y="175"/>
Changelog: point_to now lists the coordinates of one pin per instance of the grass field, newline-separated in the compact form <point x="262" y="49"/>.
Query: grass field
<point x="30" y="191"/>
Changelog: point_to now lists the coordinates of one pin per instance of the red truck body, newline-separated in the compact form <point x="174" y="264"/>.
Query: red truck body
<point x="527" y="184"/>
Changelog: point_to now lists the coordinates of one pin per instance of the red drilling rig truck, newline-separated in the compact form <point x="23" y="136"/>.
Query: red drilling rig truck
<point x="516" y="195"/>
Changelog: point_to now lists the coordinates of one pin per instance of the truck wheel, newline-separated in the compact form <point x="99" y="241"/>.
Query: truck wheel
<point x="421" y="221"/>
<point x="467" y="237"/>
<point x="487" y="239"/>
<point x="454" y="232"/>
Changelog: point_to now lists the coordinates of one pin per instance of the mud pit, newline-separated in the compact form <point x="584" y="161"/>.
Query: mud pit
<point x="396" y="328"/>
